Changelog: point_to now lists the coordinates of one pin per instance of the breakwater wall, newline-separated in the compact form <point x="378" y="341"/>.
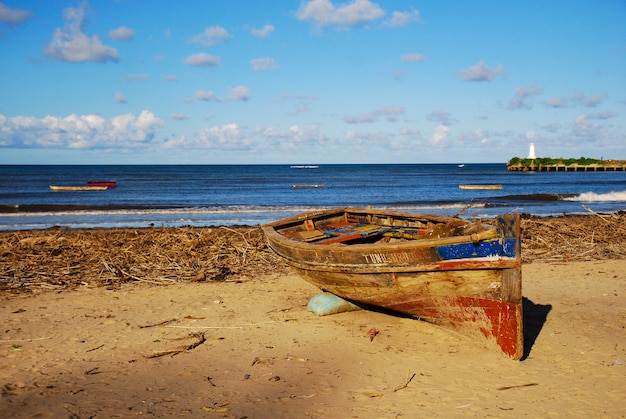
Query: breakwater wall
<point x="609" y="167"/>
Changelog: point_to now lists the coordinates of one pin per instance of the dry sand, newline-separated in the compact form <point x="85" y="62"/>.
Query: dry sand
<point x="248" y="348"/>
<point x="88" y="353"/>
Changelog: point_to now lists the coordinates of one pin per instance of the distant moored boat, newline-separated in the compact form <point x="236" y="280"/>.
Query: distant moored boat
<point x="493" y="186"/>
<point x="309" y="185"/>
<point x="108" y="183"/>
<point x="78" y="188"/>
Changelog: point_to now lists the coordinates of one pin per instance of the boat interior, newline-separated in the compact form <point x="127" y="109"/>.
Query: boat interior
<point x="361" y="228"/>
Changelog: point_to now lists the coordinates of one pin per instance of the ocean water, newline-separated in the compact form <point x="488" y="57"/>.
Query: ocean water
<point x="198" y="195"/>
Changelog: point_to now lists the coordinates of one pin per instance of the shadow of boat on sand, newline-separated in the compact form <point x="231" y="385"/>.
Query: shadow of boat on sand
<point x="535" y="316"/>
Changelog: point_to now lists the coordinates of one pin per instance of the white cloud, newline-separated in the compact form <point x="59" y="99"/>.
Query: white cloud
<point x="294" y="138"/>
<point x="265" y="32"/>
<point x="234" y="137"/>
<point x="170" y="78"/>
<point x="202" y="60"/>
<point x="584" y="128"/>
<point x="592" y="128"/>
<point x="225" y="137"/>
<point x="385" y="143"/>
<point x="556" y="102"/>
<point x="601" y="115"/>
<point x="482" y="72"/>
<point x="205" y="95"/>
<point x="211" y="36"/>
<point x="324" y="13"/>
<point x="241" y="93"/>
<point x="122" y="34"/>
<point x="552" y="128"/>
<point x="73" y="44"/>
<point x="261" y="64"/>
<point x="120" y="98"/>
<point x="78" y="131"/>
<point x="591" y="100"/>
<point x="588" y="101"/>
<point x="13" y="16"/>
<point x="403" y="18"/>
<point x="523" y="97"/>
<point x="300" y="107"/>
<point x="412" y="58"/>
<point x="390" y="113"/>
<point x="442" y="118"/>
<point x="179" y="117"/>
<point x="440" y="134"/>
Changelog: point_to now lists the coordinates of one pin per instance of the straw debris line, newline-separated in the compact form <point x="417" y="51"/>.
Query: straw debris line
<point x="62" y="258"/>
<point x="574" y="238"/>
<point x="59" y="258"/>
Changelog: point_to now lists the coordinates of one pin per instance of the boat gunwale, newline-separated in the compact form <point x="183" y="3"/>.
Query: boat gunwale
<point x="363" y="211"/>
<point x="270" y="230"/>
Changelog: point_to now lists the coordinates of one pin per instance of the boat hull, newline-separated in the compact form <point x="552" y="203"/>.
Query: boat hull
<point x="470" y="284"/>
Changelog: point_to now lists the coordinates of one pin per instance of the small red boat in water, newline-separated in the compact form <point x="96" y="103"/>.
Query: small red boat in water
<point x="108" y="183"/>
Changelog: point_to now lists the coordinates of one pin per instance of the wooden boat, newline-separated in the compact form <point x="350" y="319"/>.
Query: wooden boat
<point x="78" y="188"/>
<point x="108" y="183"/>
<point x="493" y="186"/>
<point x="465" y="276"/>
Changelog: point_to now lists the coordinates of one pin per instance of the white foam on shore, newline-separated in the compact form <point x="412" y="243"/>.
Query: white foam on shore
<point x="594" y="197"/>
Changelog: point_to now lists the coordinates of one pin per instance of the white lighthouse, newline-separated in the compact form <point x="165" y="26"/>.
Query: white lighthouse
<point x="531" y="152"/>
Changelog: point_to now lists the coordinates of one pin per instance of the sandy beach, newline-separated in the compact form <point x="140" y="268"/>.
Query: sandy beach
<point x="208" y="323"/>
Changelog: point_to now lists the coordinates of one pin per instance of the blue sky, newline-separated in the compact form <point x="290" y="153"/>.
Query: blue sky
<point x="310" y="82"/>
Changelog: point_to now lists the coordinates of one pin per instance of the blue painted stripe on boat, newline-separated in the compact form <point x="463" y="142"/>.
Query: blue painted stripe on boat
<point x="482" y="249"/>
<point x="508" y="248"/>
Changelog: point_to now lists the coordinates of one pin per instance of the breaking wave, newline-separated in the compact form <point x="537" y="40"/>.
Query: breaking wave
<point x="594" y="197"/>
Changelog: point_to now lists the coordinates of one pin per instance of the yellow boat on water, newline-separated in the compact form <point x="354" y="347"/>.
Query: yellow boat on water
<point x="78" y="188"/>
<point x="494" y="186"/>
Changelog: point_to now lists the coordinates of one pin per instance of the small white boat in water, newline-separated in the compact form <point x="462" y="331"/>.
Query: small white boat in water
<point x="311" y="185"/>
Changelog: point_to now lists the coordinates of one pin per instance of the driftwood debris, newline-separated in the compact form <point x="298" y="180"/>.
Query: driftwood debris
<point x="199" y="338"/>
<point x="59" y="258"/>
